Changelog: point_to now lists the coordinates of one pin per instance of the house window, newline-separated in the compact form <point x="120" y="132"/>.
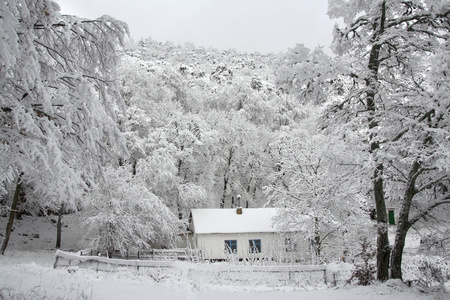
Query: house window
<point x="255" y="246"/>
<point x="290" y="245"/>
<point x="231" y="246"/>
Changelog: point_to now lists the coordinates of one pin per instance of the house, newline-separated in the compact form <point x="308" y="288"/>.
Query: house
<point x="242" y="233"/>
<point x="391" y="213"/>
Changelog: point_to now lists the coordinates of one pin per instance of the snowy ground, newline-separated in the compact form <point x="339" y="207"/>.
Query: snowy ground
<point x="29" y="274"/>
<point x="32" y="233"/>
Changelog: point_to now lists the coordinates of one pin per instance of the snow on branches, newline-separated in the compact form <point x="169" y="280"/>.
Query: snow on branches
<point x="57" y="100"/>
<point x="122" y="214"/>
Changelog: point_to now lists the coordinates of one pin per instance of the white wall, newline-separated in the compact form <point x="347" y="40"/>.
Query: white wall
<point x="272" y="246"/>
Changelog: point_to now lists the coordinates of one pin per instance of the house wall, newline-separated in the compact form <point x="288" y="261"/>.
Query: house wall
<point x="185" y="240"/>
<point x="273" y="246"/>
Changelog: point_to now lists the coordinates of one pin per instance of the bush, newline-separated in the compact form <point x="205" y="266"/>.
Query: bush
<point x="436" y="244"/>
<point x="364" y="269"/>
<point x="426" y="270"/>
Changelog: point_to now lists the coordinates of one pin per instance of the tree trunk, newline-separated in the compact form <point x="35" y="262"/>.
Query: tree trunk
<point x="226" y="177"/>
<point x="224" y="192"/>
<point x="317" y="240"/>
<point x="253" y="198"/>
<point x="403" y="224"/>
<point x="180" y="212"/>
<point x="59" y="227"/>
<point x="12" y="214"/>
<point x="383" y="248"/>
<point x="397" y="251"/>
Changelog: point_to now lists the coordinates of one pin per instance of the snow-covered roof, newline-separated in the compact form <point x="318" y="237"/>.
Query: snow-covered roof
<point x="228" y="221"/>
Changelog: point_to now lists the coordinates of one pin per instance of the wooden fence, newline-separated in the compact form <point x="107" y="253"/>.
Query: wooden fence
<point x="299" y="275"/>
<point x="184" y="254"/>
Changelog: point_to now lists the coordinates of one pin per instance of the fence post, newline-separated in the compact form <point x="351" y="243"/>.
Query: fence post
<point x="138" y="255"/>
<point x="55" y="265"/>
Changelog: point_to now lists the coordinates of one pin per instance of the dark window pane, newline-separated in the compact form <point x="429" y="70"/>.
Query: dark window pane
<point x="255" y="246"/>
<point x="290" y="245"/>
<point x="231" y="246"/>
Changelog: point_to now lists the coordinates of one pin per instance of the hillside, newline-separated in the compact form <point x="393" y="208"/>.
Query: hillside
<point x="124" y="139"/>
<point x="32" y="233"/>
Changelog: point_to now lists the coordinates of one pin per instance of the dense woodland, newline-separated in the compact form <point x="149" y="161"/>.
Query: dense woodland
<point x="132" y="135"/>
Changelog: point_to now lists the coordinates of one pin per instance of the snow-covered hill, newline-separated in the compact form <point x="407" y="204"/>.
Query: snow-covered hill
<point x="32" y="233"/>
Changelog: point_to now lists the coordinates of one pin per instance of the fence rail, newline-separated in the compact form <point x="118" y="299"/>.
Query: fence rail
<point x="273" y="274"/>
<point x="154" y="254"/>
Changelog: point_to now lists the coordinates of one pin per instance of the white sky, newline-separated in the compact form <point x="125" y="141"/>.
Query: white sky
<point x="245" y="25"/>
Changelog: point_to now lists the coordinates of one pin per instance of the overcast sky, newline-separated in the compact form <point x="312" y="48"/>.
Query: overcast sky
<point x="245" y="25"/>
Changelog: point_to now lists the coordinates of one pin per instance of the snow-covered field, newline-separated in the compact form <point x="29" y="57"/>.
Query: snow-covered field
<point x="29" y="274"/>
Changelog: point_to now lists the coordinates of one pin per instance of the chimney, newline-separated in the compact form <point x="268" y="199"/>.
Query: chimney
<point x="238" y="202"/>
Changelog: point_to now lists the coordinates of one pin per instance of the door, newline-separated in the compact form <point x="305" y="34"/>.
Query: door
<point x="391" y="217"/>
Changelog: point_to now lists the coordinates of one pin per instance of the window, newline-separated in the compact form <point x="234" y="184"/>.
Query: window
<point x="290" y="245"/>
<point x="231" y="246"/>
<point x="255" y="246"/>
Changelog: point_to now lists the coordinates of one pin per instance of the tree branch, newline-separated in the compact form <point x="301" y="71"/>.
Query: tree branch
<point x="421" y="119"/>
<point x="431" y="183"/>
<point x="444" y="199"/>
<point x="400" y="171"/>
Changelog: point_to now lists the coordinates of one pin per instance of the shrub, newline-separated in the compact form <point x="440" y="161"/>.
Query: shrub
<point x="426" y="270"/>
<point x="364" y="267"/>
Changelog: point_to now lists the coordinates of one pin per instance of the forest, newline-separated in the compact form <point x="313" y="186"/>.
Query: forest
<point x="132" y="135"/>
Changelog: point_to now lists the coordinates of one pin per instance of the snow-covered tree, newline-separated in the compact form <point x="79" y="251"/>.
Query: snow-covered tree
<point x="57" y="99"/>
<point x="122" y="214"/>
<point x="168" y="143"/>
<point x="190" y="140"/>
<point x="190" y="143"/>
<point x="239" y="158"/>
<point x="391" y="45"/>
<point x="317" y="196"/>
<point x="309" y="75"/>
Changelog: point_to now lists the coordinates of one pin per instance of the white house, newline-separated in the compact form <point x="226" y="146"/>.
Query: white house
<point x="242" y="233"/>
